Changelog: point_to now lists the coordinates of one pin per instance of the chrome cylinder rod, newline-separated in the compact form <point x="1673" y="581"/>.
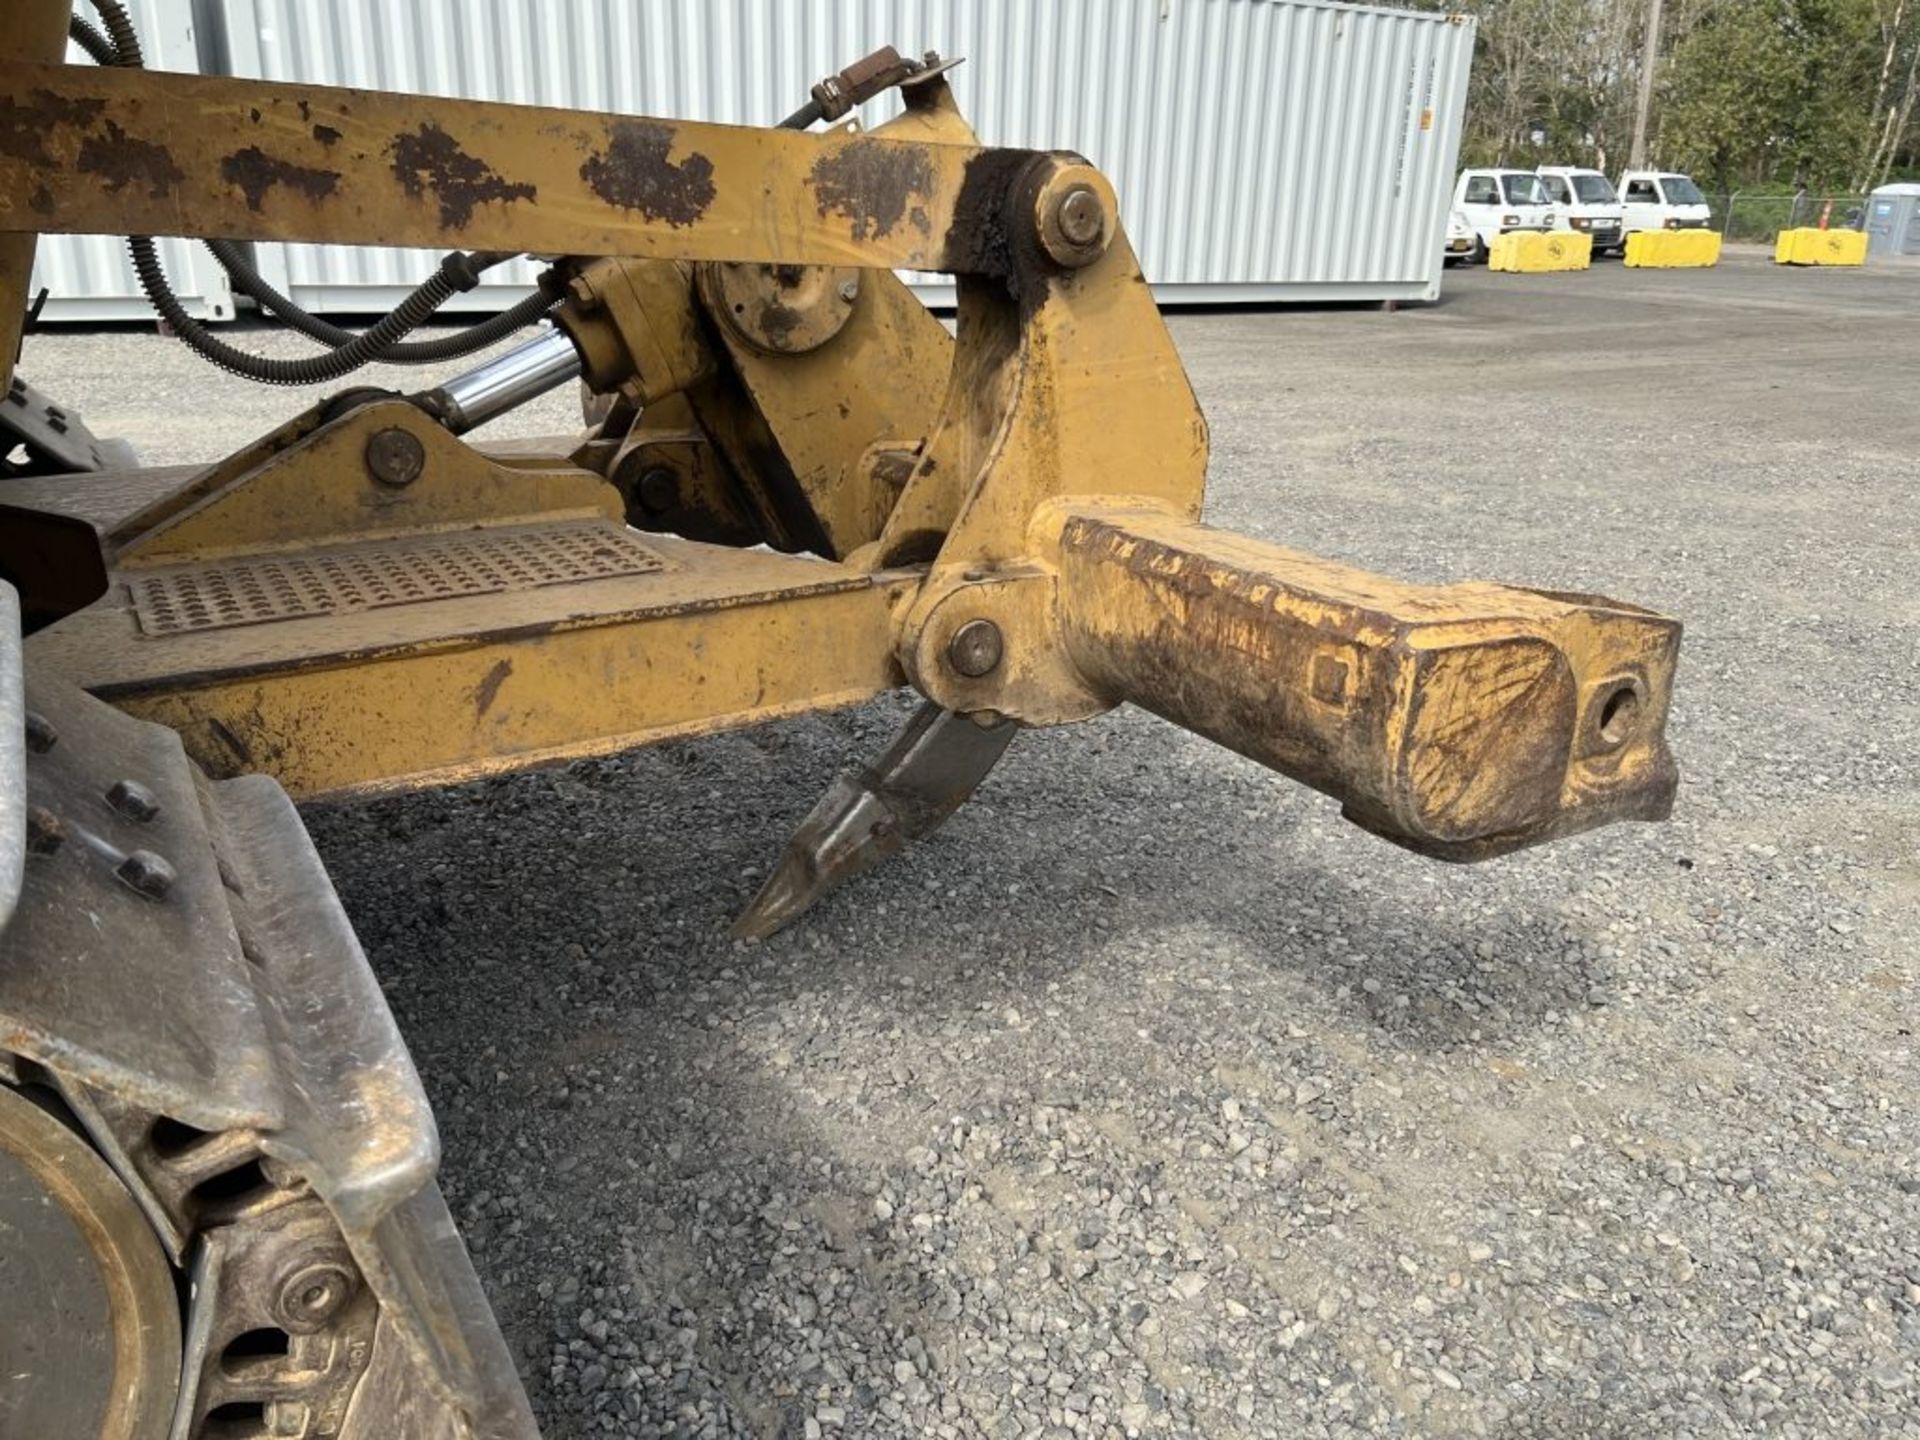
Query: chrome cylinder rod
<point x="524" y="373"/>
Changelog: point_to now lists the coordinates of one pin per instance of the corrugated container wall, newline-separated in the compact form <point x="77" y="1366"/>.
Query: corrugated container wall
<point x="1262" y="149"/>
<point x="88" y="277"/>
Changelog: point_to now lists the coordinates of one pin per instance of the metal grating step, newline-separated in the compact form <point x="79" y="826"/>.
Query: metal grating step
<point x="264" y="588"/>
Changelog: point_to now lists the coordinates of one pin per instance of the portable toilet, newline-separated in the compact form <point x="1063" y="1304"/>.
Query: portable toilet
<point x="1893" y="221"/>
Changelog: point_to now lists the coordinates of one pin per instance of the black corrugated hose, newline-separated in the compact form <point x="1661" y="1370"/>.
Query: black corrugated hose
<point x="349" y="350"/>
<point x="410" y="352"/>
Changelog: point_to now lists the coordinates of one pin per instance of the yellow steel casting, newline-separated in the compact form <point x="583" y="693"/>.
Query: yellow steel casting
<point x="636" y="328"/>
<point x="791" y="421"/>
<point x="316" y="483"/>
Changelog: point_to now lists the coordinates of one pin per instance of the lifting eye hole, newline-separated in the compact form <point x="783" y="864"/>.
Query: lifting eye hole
<point x="1619" y="715"/>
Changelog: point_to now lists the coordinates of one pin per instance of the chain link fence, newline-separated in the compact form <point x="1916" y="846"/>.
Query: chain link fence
<point x="1761" y="218"/>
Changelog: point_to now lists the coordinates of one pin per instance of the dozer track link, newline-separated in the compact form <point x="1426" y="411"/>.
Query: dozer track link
<point x="179" y="982"/>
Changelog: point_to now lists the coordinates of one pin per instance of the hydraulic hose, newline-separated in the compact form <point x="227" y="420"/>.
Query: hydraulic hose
<point x="477" y="336"/>
<point x="348" y="351"/>
<point x="126" y="42"/>
<point x="365" y="348"/>
<point x="92" y="41"/>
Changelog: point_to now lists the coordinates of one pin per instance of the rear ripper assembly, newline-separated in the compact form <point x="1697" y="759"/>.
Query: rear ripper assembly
<point x="797" y="491"/>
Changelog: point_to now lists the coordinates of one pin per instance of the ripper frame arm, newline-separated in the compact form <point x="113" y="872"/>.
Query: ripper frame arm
<point x="89" y="150"/>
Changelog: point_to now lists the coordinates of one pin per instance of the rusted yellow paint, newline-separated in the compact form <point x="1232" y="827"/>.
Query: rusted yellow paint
<point x="112" y="151"/>
<point x="319" y="491"/>
<point x="1460" y="720"/>
<point x="821" y="426"/>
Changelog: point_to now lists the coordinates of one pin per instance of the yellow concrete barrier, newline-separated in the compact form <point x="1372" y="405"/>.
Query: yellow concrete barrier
<point x="1673" y="249"/>
<point x="1820" y="247"/>
<point x="1534" y="252"/>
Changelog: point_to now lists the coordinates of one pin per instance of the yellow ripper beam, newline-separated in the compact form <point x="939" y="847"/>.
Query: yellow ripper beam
<point x="1461" y="721"/>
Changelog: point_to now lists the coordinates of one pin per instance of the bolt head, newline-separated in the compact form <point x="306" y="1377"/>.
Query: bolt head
<point x="313" y="1294"/>
<point x="395" y="456"/>
<point x="849" y="290"/>
<point x="45" y="833"/>
<point x="133" y="800"/>
<point x="147" y="873"/>
<point x="658" y="490"/>
<point x="42" y="735"/>
<point x="976" y="649"/>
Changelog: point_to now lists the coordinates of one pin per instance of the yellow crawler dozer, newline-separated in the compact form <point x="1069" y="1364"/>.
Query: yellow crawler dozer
<point x="796" y="490"/>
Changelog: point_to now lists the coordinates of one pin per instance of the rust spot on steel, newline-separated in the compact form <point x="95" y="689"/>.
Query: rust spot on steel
<point x="121" y="160"/>
<point x="634" y="173"/>
<point x="873" y="184"/>
<point x="488" y="690"/>
<point x="24" y="128"/>
<point x="431" y="159"/>
<point x="255" y="172"/>
<point x="326" y="135"/>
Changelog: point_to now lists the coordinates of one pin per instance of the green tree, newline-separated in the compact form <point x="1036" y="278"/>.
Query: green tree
<point x="1820" y="93"/>
<point x="1729" y="94"/>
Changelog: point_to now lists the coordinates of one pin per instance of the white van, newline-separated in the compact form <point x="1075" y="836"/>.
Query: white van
<point x="1662" y="200"/>
<point x="1497" y="201"/>
<point x="1587" y="204"/>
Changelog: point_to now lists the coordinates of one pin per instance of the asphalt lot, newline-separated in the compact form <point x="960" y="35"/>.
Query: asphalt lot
<point x="1148" y="1098"/>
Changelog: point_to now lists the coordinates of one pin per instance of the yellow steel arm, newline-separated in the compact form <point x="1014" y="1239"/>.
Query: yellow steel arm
<point x="111" y="151"/>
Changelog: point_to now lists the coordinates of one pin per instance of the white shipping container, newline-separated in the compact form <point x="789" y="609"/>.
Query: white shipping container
<point x="89" y="277"/>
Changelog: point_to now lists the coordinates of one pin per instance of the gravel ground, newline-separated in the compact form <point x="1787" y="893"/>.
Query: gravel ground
<point x="1149" y="1099"/>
